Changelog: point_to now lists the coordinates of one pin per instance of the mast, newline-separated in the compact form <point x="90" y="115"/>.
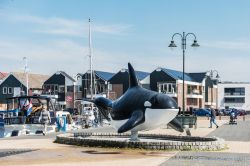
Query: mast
<point x="90" y="57"/>
<point x="26" y="74"/>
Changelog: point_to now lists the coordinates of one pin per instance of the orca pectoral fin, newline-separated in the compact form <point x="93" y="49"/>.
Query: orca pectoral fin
<point x="176" y="124"/>
<point x="136" y="119"/>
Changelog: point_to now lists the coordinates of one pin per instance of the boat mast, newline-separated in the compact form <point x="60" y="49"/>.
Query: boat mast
<point x="26" y="74"/>
<point x="90" y="57"/>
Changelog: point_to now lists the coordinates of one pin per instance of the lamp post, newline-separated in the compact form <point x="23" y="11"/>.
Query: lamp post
<point x="210" y="73"/>
<point x="183" y="47"/>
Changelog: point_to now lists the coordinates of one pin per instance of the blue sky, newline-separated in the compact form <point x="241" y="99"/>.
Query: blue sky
<point x="53" y="34"/>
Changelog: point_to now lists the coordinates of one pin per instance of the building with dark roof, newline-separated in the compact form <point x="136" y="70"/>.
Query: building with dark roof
<point x="100" y="83"/>
<point x="177" y="75"/>
<point x="199" y="88"/>
<point x="198" y="77"/>
<point x="15" y="83"/>
<point x="120" y="81"/>
<point x="210" y="88"/>
<point x="61" y="85"/>
<point x="105" y="76"/>
<point x="10" y="86"/>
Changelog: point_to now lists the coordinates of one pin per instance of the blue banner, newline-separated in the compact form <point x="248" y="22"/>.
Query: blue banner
<point x="61" y="123"/>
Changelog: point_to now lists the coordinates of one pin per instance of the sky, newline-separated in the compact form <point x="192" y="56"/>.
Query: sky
<point x="53" y="35"/>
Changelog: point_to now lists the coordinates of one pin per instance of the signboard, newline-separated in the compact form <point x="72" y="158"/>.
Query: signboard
<point x="69" y="98"/>
<point x="61" y="123"/>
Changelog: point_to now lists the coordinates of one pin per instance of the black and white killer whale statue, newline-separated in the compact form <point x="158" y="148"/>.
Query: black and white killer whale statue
<point x="139" y="109"/>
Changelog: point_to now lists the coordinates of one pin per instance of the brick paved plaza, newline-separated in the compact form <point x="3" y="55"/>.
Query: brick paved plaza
<point x="40" y="150"/>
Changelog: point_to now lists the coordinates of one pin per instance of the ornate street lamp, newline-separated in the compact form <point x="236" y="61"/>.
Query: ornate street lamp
<point x="211" y="73"/>
<point x="184" y="45"/>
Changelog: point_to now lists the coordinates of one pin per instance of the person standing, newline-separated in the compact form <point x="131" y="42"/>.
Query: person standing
<point x="212" y="118"/>
<point x="44" y="118"/>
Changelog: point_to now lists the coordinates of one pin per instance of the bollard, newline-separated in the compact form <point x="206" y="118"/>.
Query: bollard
<point x="243" y="117"/>
<point x="219" y="117"/>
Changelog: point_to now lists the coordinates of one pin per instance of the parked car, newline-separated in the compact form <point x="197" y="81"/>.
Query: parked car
<point x="219" y="112"/>
<point x="201" y="112"/>
<point x="241" y="112"/>
<point x="227" y="111"/>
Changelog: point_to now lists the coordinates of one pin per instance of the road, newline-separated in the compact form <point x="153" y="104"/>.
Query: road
<point x="238" y="135"/>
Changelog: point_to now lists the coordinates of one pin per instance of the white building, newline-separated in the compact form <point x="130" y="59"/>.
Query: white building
<point x="234" y="95"/>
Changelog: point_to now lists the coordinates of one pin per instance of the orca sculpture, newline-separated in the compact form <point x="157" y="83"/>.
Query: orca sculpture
<point x="139" y="109"/>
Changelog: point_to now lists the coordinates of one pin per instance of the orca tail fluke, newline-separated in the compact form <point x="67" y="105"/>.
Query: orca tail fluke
<point x="176" y="125"/>
<point x="133" y="81"/>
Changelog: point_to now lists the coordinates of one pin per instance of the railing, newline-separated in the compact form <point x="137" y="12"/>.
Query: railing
<point x="194" y="92"/>
<point x="189" y="120"/>
<point x="166" y="92"/>
<point x="14" y="120"/>
<point x="25" y="120"/>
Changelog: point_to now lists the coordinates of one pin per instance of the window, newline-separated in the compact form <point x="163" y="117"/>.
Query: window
<point x="192" y="101"/>
<point x="61" y="89"/>
<point x="167" y="88"/>
<point x="190" y="89"/>
<point x="52" y="89"/>
<point x="194" y="90"/>
<point x="46" y="88"/>
<point x="56" y="89"/>
<point x="4" y="90"/>
<point x="110" y="87"/>
<point x="80" y="88"/>
<point x="10" y="90"/>
<point x="234" y="91"/>
<point x="70" y="88"/>
<point x="235" y="100"/>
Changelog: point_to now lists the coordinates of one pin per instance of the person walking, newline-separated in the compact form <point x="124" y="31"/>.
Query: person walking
<point x="44" y="119"/>
<point x="212" y="118"/>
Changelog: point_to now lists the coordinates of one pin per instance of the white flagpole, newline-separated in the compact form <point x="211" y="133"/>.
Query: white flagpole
<point x="26" y="74"/>
<point x="90" y="56"/>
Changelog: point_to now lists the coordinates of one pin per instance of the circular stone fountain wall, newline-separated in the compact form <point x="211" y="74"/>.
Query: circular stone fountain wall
<point x="147" y="141"/>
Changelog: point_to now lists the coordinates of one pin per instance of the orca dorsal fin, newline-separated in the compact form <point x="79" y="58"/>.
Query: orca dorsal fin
<point x="132" y="77"/>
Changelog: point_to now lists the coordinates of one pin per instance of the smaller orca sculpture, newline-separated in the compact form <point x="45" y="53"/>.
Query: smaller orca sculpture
<point x="139" y="109"/>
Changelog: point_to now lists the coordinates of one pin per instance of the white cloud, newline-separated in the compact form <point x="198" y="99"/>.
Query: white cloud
<point x="68" y="55"/>
<point x="4" y="44"/>
<point x="67" y="27"/>
<point x="71" y="57"/>
<point x="242" y="45"/>
<point x="49" y="57"/>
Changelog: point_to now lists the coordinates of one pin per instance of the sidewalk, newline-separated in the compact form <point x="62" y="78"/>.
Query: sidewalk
<point x="201" y="131"/>
<point x="48" y="153"/>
